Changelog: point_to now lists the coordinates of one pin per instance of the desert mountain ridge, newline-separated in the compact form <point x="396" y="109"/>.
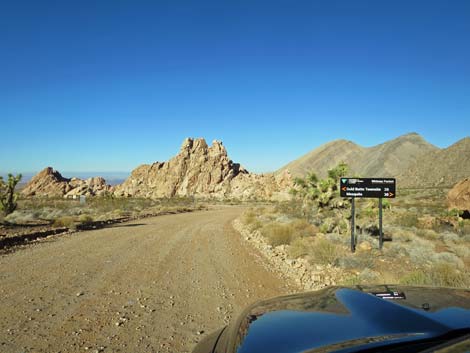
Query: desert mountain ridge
<point x="388" y="159"/>
<point x="201" y="170"/>
<point x="439" y="168"/>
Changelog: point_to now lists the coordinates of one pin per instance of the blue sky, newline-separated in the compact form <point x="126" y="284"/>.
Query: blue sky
<point x="107" y="85"/>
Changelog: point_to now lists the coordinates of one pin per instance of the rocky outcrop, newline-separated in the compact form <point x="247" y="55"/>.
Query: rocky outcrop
<point x="50" y="183"/>
<point x="202" y="171"/>
<point x="459" y="196"/>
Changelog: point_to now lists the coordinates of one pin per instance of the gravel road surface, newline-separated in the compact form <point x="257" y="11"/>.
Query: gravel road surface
<point x="153" y="285"/>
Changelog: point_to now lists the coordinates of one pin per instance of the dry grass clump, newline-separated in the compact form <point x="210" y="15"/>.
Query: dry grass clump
<point x="440" y="275"/>
<point x="302" y="228"/>
<point x="66" y="221"/>
<point x="448" y="258"/>
<point x="251" y="220"/>
<point x="429" y="234"/>
<point x="325" y="252"/>
<point x="278" y="234"/>
<point x="462" y="251"/>
<point x="300" y="247"/>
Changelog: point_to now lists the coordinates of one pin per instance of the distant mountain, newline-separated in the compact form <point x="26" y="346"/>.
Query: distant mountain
<point x="443" y="167"/>
<point x="388" y="159"/>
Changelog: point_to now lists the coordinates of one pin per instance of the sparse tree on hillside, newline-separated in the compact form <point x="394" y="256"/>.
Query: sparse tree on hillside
<point x="8" y="196"/>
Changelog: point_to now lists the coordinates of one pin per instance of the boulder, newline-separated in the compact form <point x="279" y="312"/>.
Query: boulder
<point x="459" y="196"/>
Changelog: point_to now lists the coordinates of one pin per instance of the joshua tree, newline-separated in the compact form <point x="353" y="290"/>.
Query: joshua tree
<point x="8" y="196"/>
<point x="321" y="192"/>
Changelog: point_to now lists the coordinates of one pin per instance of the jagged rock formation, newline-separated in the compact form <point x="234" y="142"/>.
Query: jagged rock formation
<point x="202" y="171"/>
<point x="50" y="183"/>
<point x="459" y="196"/>
<point x="388" y="159"/>
<point x="443" y="167"/>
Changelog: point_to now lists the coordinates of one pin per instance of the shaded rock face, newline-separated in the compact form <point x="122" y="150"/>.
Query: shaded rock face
<point x="459" y="196"/>
<point x="50" y="183"/>
<point x="202" y="171"/>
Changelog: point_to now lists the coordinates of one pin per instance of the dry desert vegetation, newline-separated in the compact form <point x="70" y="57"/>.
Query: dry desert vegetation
<point x="425" y="242"/>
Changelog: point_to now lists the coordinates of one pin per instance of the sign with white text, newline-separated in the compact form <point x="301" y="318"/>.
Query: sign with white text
<point x="368" y="187"/>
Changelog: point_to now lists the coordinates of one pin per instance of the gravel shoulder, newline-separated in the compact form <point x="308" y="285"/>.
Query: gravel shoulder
<point x="153" y="285"/>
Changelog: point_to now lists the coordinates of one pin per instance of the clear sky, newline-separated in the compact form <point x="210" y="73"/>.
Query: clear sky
<point x="107" y="85"/>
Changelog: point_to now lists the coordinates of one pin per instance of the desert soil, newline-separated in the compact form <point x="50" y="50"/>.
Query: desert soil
<point x="155" y="285"/>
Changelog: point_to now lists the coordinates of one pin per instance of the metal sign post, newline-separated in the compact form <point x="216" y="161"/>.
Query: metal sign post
<point x="370" y="188"/>
<point x="381" y="235"/>
<point x="353" y="225"/>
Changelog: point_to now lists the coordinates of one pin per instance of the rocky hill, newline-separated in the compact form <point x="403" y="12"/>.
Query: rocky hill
<point x="441" y="168"/>
<point x="50" y="183"/>
<point x="388" y="159"/>
<point x="202" y="171"/>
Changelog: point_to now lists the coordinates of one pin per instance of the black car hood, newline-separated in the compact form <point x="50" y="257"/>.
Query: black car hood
<point x="342" y="319"/>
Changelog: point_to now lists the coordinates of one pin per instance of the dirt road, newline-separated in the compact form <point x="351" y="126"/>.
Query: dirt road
<point x="155" y="285"/>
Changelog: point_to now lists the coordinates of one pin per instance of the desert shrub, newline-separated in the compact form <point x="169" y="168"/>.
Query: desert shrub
<point x="299" y="247"/>
<point x="65" y="221"/>
<point x="292" y="208"/>
<point x="464" y="228"/>
<point x="325" y="252"/>
<point x="277" y="234"/>
<point x="302" y="228"/>
<point x="395" y="250"/>
<point x="85" y="220"/>
<point x="448" y="258"/>
<point x="339" y="238"/>
<point x="444" y="274"/>
<point x="22" y="217"/>
<point x="419" y="277"/>
<point x="249" y="217"/>
<point x="462" y="251"/>
<point x="421" y="251"/>
<point x="450" y="238"/>
<point x="357" y="261"/>
<point x="367" y="276"/>
<point x="427" y="234"/>
<point x="404" y="236"/>
<point x="440" y="275"/>
<point x="407" y="219"/>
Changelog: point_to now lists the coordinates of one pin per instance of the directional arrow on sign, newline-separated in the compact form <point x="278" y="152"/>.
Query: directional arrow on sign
<point x="344" y="188"/>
